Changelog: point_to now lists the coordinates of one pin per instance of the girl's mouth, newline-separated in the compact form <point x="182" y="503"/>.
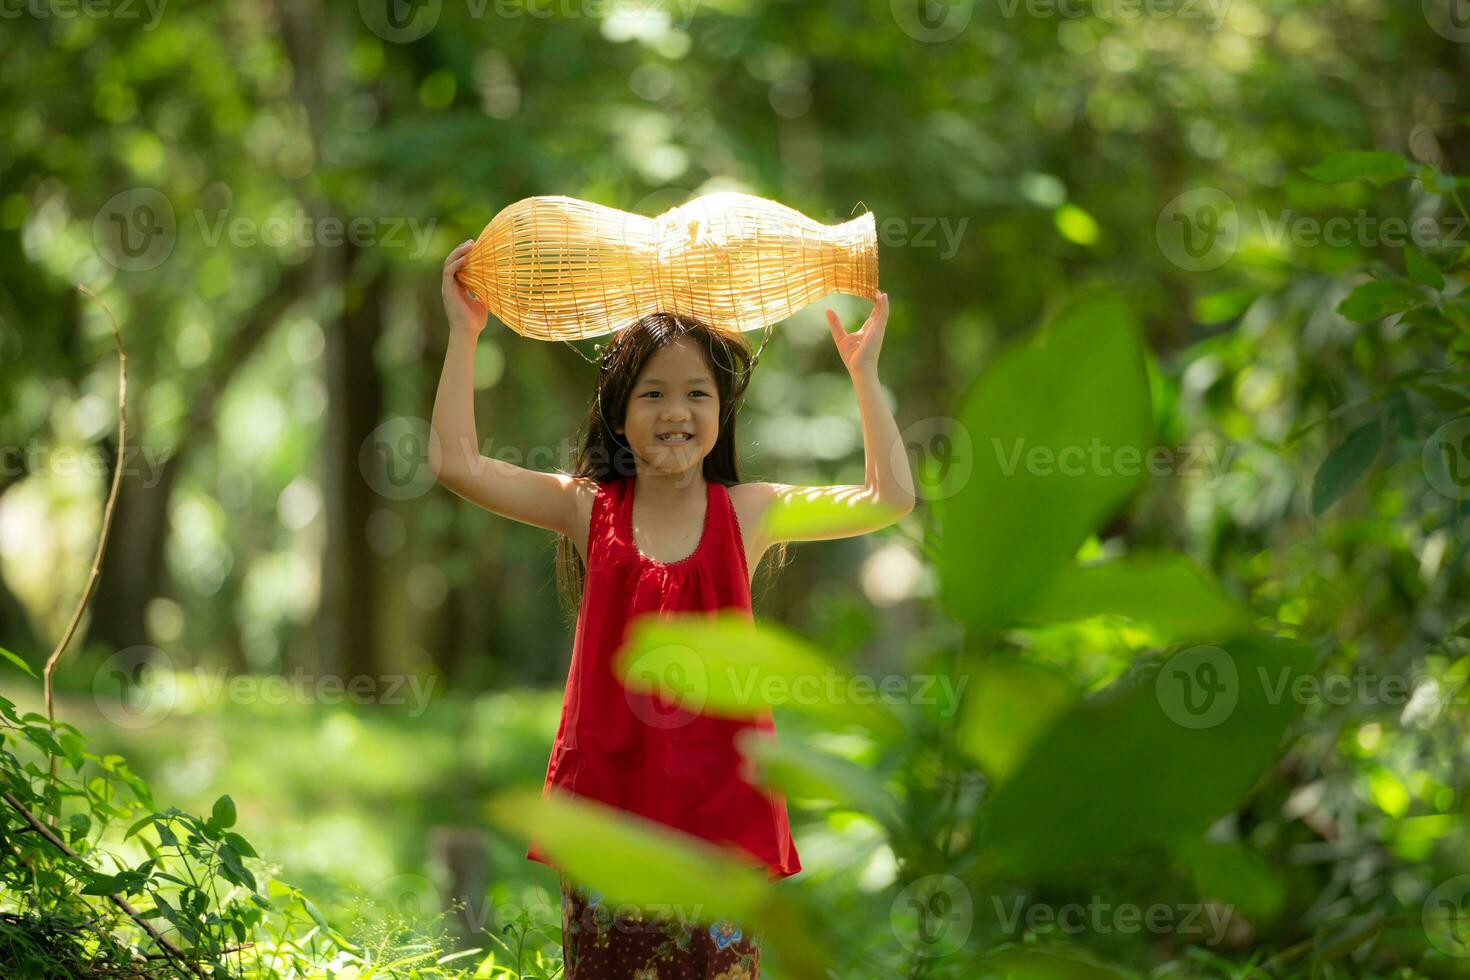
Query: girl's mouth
<point x="677" y="438"/>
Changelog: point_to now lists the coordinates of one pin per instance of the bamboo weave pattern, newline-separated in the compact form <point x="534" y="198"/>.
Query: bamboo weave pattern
<point x="559" y="268"/>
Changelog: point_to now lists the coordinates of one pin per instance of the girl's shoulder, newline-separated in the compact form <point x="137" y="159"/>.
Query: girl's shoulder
<point x="750" y="502"/>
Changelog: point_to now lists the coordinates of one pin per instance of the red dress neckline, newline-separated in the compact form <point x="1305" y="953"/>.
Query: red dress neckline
<point x="627" y="516"/>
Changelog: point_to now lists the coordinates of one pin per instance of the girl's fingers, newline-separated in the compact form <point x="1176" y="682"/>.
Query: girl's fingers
<point x="835" y="325"/>
<point x="459" y="250"/>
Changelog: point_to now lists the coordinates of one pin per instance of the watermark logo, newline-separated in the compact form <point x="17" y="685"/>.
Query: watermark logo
<point x="942" y="454"/>
<point x="932" y="21"/>
<point x="933" y="915"/>
<point x="1198" y="687"/>
<point x="1099" y="459"/>
<point x="1199" y="230"/>
<point x="403" y="21"/>
<point x="137" y="687"/>
<point x="679" y="683"/>
<point x="394" y="458"/>
<point x="1446" y="459"/>
<point x="1207" y="921"/>
<point x="400" y="21"/>
<point x="37" y="456"/>
<point x="1211" y="11"/>
<point x="306" y="231"/>
<point x="1450" y="19"/>
<point x="135" y="230"/>
<point x="1446" y="917"/>
<point x="92" y="9"/>
<point x="913" y="231"/>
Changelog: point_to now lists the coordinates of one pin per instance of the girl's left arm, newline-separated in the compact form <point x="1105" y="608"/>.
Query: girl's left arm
<point x="887" y="492"/>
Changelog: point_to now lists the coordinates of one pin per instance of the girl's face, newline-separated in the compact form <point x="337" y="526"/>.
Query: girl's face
<point x="675" y="393"/>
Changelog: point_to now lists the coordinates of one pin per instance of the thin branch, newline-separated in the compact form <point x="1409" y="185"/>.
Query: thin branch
<point x="76" y="615"/>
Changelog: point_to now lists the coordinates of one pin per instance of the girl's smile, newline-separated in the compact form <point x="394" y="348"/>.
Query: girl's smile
<point x="672" y="419"/>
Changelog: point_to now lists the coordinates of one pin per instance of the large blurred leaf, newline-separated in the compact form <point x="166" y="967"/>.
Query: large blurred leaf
<point x="1011" y="703"/>
<point x="1077" y="399"/>
<point x="1168" y="593"/>
<point x="803" y="773"/>
<point x="1232" y="874"/>
<point x="630" y="858"/>
<point x="1156" y="754"/>
<point x="724" y="664"/>
<point x="637" y="861"/>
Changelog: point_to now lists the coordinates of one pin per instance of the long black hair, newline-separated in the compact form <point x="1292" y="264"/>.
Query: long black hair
<point x="604" y="455"/>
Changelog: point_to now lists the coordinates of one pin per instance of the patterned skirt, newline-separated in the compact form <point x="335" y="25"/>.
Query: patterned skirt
<point x="626" y="943"/>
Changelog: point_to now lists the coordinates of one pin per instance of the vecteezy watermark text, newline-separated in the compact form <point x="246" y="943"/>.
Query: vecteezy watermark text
<point x="402" y="21"/>
<point x="141" y="686"/>
<point x="1099" y="916"/>
<point x="1202" y="229"/>
<point x="304" y="230"/>
<point x="136" y="230"/>
<point x="92" y="9"/>
<point x="1097" y="459"/>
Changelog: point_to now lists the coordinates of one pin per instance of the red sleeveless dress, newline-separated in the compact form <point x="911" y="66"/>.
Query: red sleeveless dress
<point x="636" y="751"/>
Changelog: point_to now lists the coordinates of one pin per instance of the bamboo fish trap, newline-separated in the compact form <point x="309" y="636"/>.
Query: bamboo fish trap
<point x="558" y="268"/>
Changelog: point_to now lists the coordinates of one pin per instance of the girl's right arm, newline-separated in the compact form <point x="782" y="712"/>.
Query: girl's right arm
<point x="551" y="500"/>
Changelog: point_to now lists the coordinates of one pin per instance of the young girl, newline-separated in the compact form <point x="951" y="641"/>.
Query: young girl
<point x="660" y="523"/>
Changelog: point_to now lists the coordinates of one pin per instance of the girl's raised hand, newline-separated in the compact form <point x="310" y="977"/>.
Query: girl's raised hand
<point x="860" y="350"/>
<point x="466" y="311"/>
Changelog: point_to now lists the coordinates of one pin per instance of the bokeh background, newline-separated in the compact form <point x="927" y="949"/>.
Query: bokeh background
<point x="263" y="194"/>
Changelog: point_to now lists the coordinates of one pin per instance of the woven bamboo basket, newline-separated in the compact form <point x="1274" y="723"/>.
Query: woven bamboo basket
<point x="558" y="268"/>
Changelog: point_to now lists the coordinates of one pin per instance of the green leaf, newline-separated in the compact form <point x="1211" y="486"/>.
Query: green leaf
<point x="1345" y="465"/>
<point x="240" y="844"/>
<point x="638" y="861"/>
<point x="631" y="858"/>
<point x="6" y="654"/>
<point x="1168" y="593"/>
<point x="98" y="884"/>
<point x="724" y="664"/>
<point x="1234" y="875"/>
<point x="1380" y="298"/>
<point x="803" y="773"/>
<point x="1011" y="703"/>
<point x="224" y="813"/>
<point x="1053" y="424"/>
<point x="1377" y="166"/>
<point x="315" y="913"/>
<point x="1155" y="755"/>
<point x="1422" y="270"/>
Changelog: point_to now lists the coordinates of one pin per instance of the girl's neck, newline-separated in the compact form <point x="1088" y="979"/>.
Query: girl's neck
<point x="670" y="489"/>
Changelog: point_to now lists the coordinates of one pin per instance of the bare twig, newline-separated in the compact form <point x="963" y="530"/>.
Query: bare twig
<point x="76" y="615"/>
